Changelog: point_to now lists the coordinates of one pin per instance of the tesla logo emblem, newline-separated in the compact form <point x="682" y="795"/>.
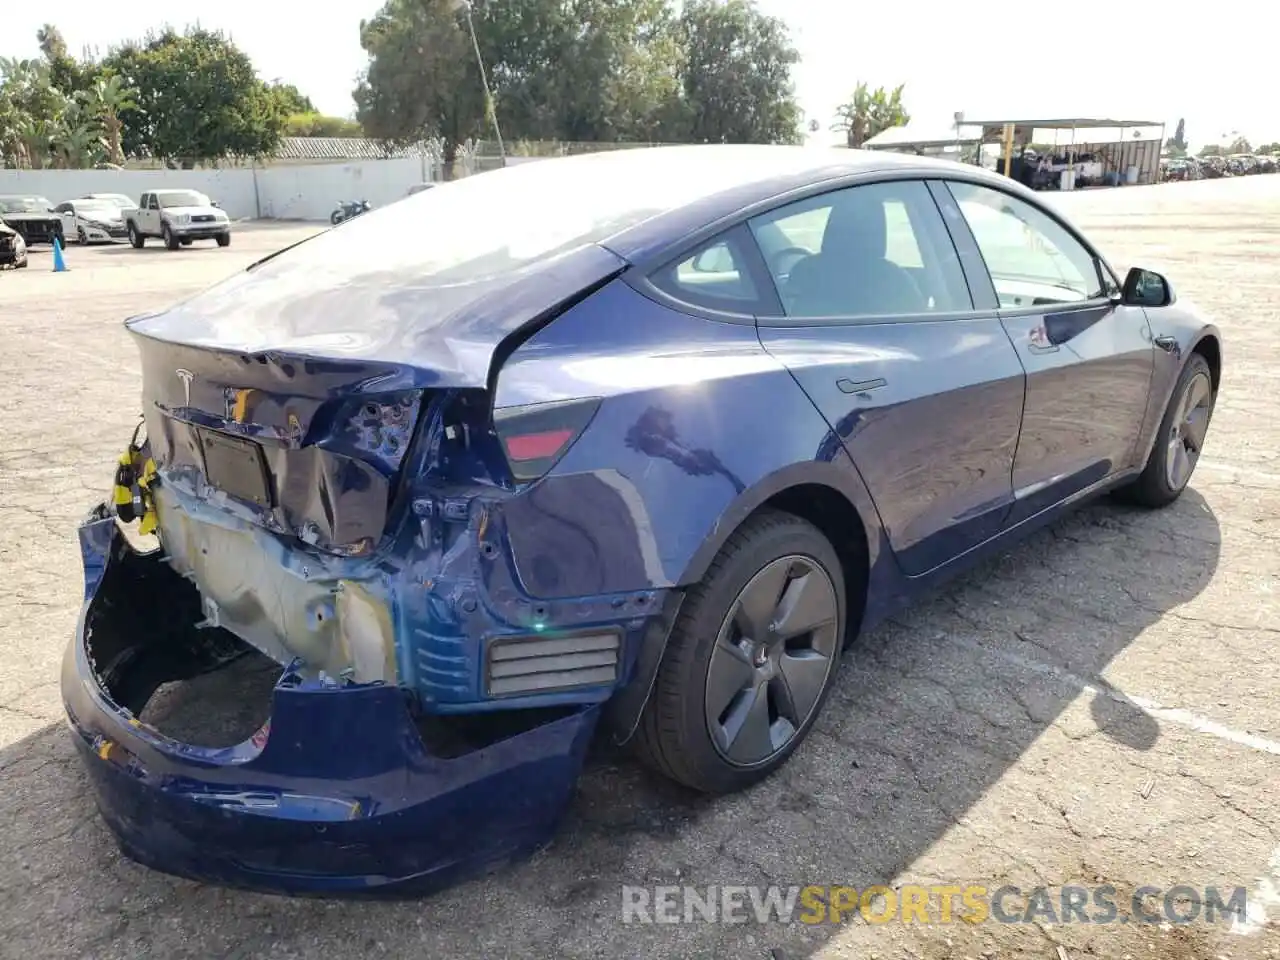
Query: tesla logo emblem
<point x="186" y="376"/>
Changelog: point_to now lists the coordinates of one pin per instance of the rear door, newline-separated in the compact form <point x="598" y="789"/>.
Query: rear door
<point x="1088" y="357"/>
<point x="924" y="391"/>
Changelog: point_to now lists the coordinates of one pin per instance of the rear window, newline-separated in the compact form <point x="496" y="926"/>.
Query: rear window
<point x="182" y="198"/>
<point x="24" y="205"/>
<point x="494" y="223"/>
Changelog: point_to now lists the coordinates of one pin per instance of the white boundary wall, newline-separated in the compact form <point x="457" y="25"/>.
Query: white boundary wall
<point x="302" y="192"/>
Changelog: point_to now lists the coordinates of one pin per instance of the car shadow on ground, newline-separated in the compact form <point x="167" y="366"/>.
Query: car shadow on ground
<point x="929" y="712"/>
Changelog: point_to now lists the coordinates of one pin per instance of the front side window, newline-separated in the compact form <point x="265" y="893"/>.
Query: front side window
<point x="1033" y="260"/>
<point x="876" y="250"/>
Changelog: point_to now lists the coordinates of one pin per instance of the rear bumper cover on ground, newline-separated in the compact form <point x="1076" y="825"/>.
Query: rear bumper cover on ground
<point x="341" y="796"/>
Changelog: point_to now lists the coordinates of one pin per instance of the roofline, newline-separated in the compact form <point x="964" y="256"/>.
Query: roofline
<point x="1064" y="124"/>
<point x="950" y="141"/>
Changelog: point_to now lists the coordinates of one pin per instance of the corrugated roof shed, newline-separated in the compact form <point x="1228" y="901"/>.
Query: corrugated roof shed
<point x="338" y="148"/>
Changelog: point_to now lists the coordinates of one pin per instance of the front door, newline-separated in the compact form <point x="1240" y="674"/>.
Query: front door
<point x="1088" y="357"/>
<point x="878" y="327"/>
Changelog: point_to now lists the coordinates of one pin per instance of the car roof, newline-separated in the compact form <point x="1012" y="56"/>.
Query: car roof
<point x="741" y="176"/>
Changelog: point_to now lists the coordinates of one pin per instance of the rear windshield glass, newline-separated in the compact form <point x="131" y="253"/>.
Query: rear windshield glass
<point x="182" y="198"/>
<point x="24" y="205"/>
<point x="496" y="222"/>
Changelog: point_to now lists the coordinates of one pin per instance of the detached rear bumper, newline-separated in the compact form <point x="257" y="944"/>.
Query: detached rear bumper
<point x="338" y="794"/>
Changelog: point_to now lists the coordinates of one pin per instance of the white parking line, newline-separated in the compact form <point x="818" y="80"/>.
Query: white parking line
<point x="1173" y="715"/>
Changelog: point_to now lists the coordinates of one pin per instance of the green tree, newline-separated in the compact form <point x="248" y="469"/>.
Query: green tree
<point x="108" y="100"/>
<point x="1239" y="145"/>
<point x="76" y="139"/>
<point x="1212" y="150"/>
<point x="870" y="112"/>
<point x="1177" y="144"/>
<point x="67" y="74"/>
<point x="736" y="74"/>
<point x="318" y="125"/>
<point x="197" y="99"/>
<point x="293" y="100"/>
<point x="420" y="81"/>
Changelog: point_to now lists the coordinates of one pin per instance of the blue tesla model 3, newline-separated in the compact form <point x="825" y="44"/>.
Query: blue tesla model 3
<point x="631" y="444"/>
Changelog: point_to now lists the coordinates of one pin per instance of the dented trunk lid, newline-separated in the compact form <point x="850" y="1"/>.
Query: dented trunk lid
<point x="291" y="396"/>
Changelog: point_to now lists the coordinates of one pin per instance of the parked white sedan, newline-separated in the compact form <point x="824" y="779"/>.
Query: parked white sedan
<point x="92" y="221"/>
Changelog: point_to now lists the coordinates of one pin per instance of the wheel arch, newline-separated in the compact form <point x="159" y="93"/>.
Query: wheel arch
<point x="831" y="496"/>
<point x="1209" y="346"/>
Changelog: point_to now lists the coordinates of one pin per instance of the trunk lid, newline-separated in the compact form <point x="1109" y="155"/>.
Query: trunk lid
<point x="291" y="397"/>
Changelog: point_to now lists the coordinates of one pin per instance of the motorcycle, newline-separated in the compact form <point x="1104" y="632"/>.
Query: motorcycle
<point x="348" y="209"/>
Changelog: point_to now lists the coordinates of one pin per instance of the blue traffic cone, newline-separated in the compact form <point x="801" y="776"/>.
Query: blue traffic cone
<point x="59" y="264"/>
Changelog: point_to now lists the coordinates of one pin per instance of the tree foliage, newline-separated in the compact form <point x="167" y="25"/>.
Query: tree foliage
<point x="585" y="70"/>
<point x="869" y="113"/>
<point x="198" y="99"/>
<point x="181" y="97"/>
<point x="1177" y="144"/>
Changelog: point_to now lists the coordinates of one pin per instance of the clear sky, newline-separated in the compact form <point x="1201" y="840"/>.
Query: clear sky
<point x="1033" y="61"/>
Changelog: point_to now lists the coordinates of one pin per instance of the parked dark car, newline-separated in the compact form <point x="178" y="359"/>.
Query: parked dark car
<point x="641" y="455"/>
<point x="33" y="217"/>
<point x="1213" y="168"/>
<point x="13" y="249"/>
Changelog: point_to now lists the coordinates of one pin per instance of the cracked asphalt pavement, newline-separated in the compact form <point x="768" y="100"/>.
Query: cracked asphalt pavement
<point x="1095" y="706"/>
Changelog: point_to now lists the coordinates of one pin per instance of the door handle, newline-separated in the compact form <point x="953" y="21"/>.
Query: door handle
<point x="1166" y="343"/>
<point x="862" y="386"/>
<point x="1043" y="347"/>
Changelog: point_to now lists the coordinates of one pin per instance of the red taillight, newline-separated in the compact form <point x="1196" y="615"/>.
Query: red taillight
<point x="536" y="435"/>
<point x="536" y="446"/>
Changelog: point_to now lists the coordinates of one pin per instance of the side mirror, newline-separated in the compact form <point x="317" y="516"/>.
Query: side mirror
<point x="213" y="203"/>
<point x="715" y="259"/>
<point x="1146" y="288"/>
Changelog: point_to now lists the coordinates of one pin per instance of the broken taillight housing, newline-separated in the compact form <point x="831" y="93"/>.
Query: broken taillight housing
<point x="534" y="436"/>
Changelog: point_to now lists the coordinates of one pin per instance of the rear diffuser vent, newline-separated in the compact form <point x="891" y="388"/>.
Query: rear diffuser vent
<point x="541" y="664"/>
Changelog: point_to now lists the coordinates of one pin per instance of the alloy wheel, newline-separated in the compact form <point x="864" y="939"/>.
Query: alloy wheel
<point x="771" y="660"/>
<point x="1187" y="432"/>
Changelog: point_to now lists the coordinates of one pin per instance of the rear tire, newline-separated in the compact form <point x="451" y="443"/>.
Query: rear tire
<point x="136" y="240"/>
<point x="730" y="669"/>
<point x="1178" y="442"/>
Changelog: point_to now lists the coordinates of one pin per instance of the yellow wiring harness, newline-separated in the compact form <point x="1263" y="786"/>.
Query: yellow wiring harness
<point x="131" y="492"/>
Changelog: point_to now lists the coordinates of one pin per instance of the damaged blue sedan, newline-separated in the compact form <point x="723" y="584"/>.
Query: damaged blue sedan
<point x="631" y="444"/>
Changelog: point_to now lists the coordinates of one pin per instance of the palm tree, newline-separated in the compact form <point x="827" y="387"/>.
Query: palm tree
<point x="869" y="113"/>
<point x="77" y="138"/>
<point x="108" y="98"/>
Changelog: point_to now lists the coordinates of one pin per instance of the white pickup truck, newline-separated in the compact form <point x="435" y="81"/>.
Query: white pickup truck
<point x="177" y="217"/>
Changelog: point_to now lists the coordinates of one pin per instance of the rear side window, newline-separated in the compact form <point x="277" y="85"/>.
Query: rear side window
<point x="716" y="276"/>
<point x="1033" y="260"/>
<point x="877" y="250"/>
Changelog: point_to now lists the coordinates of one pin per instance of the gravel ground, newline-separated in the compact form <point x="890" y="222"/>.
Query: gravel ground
<point x="1097" y="706"/>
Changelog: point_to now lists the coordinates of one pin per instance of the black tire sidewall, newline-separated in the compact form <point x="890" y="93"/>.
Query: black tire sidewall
<point x="683" y="678"/>
<point x="1155" y="480"/>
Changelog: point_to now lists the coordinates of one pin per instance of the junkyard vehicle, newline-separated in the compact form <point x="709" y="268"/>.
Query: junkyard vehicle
<point x="118" y="199"/>
<point x="32" y="217"/>
<point x="347" y="209"/>
<point x="645" y="452"/>
<point x="178" y="217"/>
<point x="13" y="249"/>
<point x="92" y="221"/>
